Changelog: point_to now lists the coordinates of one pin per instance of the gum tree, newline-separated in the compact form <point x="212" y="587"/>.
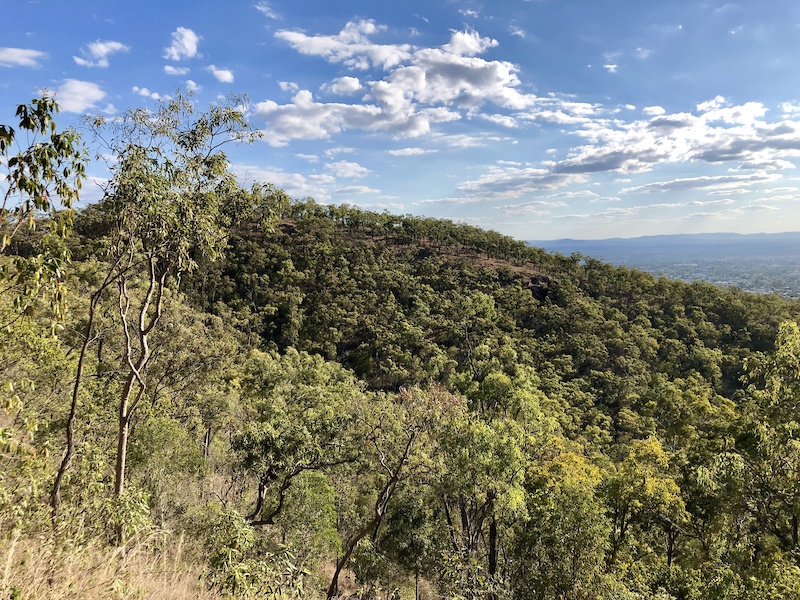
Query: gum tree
<point x="41" y="170"/>
<point x="170" y="200"/>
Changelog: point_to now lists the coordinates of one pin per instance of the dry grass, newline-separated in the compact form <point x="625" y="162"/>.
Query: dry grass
<point x="39" y="568"/>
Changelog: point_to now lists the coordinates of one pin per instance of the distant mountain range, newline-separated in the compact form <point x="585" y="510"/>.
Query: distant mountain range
<point x="763" y="263"/>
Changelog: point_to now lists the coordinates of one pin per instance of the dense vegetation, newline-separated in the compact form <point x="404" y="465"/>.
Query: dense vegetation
<point x="247" y="395"/>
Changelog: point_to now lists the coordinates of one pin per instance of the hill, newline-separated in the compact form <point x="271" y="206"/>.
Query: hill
<point x="343" y="402"/>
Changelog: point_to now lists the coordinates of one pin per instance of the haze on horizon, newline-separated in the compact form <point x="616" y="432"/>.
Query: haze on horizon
<point x="541" y="119"/>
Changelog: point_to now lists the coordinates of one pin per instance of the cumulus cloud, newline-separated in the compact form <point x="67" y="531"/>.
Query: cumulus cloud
<point x="420" y="88"/>
<point x="350" y="46"/>
<point x="77" y="96"/>
<point x="346" y="86"/>
<point x="297" y="185"/>
<point x="96" y="54"/>
<point x="409" y="90"/>
<point x="184" y="44"/>
<point x="306" y="119"/>
<point x="654" y="111"/>
<point x="143" y="91"/>
<point x="468" y="43"/>
<point x="193" y="86"/>
<point x="347" y="169"/>
<point x="221" y="75"/>
<point x="20" y="57"/>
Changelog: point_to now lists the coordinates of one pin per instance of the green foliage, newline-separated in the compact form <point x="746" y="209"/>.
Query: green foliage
<point x="236" y="572"/>
<point x="322" y="397"/>
<point x="42" y="173"/>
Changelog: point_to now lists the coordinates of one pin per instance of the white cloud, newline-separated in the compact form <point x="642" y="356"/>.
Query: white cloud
<point x="143" y="91"/>
<point x="423" y="86"/>
<point x="96" y="54"/>
<point x="501" y="182"/>
<point x="654" y="111"/>
<point x="347" y="169"/>
<point x="288" y="86"/>
<point x="294" y="184"/>
<point x="312" y="158"/>
<point x="468" y="43"/>
<point x="170" y="70"/>
<point x="20" y="57"/>
<point x="534" y="207"/>
<point x="265" y="9"/>
<point x="350" y="46"/>
<point x="184" y="44"/>
<point x="77" y="96"/>
<point x="356" y="189"/>
<point x="306" y="119"/>
<point x="346" y="86"/>
<point x="790" y="108"/>
<point x="411" y="152"/>
<point x="517" y="31"/>
<point x="331" y="152"/>
<point x="717" y="102"/>
<point x="221" y="75"/>
<point x="611" y="68"/>
<point x="504" y="120"/>
<point x="193" y="86"/>
<point x="713" y="182"/>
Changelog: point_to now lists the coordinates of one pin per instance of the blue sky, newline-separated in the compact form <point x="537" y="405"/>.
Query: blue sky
<point x="540" y="119"/>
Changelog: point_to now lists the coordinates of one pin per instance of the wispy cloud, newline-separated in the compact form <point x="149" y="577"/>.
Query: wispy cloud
<point x="171" y="70"/>
<point x="266" y="9"/>
<point x="411" y="152"/>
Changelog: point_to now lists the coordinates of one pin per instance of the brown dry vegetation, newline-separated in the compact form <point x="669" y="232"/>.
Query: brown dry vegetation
<point x="156" y="566"/>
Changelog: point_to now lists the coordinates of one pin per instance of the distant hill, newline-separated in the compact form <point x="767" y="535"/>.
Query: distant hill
<point x="763" y="263"/>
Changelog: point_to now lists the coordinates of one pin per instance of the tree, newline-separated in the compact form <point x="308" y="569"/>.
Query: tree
<point x="43" y="176"/>
<point x="171" y="199"/>
<point x="558" y="550"/>
<point x="302" y="419"/>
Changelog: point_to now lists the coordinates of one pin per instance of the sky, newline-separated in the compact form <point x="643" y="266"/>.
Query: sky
<point x="540" y="119"/>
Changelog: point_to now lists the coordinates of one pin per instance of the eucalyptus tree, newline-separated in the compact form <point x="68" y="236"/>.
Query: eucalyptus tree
<point x="41" y="170"/>
<point x="170" y="200"/>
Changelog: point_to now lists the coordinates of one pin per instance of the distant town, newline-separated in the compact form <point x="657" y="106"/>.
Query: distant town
<point x="761" y="263"/>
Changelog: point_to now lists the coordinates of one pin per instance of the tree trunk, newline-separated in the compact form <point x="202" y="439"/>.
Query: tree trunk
<point x="94" y="301"/>
<point x="493" y="548"/>
<point x="123" y="424"/>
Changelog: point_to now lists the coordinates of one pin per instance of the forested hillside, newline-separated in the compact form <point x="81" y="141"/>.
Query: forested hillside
<point x="217" y="392"/>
